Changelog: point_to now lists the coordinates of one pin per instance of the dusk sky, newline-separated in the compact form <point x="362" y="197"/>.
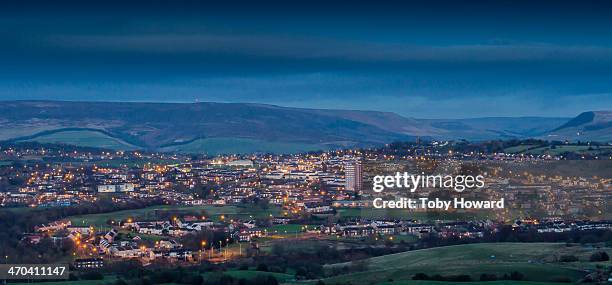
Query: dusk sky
<point x="427" y="59"/>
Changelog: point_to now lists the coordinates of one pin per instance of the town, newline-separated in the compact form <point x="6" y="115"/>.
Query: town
<point x="236" y="205"/>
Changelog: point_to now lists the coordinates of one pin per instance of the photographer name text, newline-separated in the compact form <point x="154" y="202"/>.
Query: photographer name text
<point x="426" y="203"/>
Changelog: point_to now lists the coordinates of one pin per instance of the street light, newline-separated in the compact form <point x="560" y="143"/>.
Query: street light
<point x="226" y="244"/>
<point x="203" y="244"/>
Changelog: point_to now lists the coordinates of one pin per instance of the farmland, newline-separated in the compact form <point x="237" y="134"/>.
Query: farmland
<point x="213" y="212"/>
<point x="536" y="261"/>
<point x="84" y="138"/>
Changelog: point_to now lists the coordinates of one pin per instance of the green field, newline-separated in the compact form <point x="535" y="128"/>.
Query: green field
<point x="84" y="138"/>
<point x="535" y="260"/>
<point x="250" y="274"/>
<point x="519" y="148"/>
<point x="214" y="146"/>
<point x="537" y="150"/>
<point x="106" y="280"/>
<point x="17" y="209"/>
<point x="214" y="213"/>
<point x="565" y="148"/>
<point x="238" y="274"/>
<point x="285" y="279"/>
<point x="211" y="146"/>
<point x="288" y="228"/>
<point x="414" y="282"/>
<point x="421" y="282"/>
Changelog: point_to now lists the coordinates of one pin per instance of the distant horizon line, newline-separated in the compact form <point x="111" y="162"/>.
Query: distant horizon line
<point x="290" y="107"/>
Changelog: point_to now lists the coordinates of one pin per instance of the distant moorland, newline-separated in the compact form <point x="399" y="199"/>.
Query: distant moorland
<point x="245" y="128"/>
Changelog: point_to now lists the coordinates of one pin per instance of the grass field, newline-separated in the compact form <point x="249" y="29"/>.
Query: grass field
<point x="106" y="280"/>
<point x="565" y="148"/>
<point x="284" y="279"/>
<point x="537" y="150"/>
<point x="246" y="274"/>
<point x="420" y="282"/>
<point x="214" y="146"/>
<point x="414" y="282"/>
<point x="84" y="138"/>
<point x="535" y="260"/>
<point x="289" y="228"/>
<point x="131" y="162"/>
<point x="214" y="213"/>
<point x="17" y="209"/>
<point x="250" y="274"/>
<point x="519" y="148"/>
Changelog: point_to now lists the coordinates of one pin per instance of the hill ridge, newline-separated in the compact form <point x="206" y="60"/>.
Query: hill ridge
<point x="171" y="126"/>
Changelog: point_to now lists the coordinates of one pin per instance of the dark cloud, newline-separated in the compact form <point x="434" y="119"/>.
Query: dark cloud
<point x="466" y="58"/>
<point x="309" y="48"/>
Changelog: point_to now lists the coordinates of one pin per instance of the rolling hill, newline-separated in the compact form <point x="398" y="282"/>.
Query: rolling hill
<point x="170" y="126"/>
<point x="495" y="127"/>
<point x="596" y="125"/>
<point x="537" y="261"/>
<point x="244" y="127"/>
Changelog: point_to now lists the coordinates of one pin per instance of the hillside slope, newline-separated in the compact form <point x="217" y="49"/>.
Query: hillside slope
<point x="537" y="261"/>
<point x="159" y="125"/>
<point x="595" y="125"/>
<point x="244" y="127"/>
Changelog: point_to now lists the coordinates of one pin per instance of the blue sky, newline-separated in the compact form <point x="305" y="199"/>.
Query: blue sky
<point x="426" y="59"/>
